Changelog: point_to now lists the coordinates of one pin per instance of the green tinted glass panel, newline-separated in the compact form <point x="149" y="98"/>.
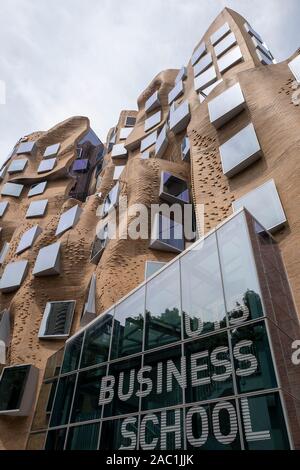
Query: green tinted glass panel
<point x="56" y="439"/>
<point x="97" y="341"/>
<point x="72" y="354"/>
<point x="83" y="437"/>
<point x="86" y="400"/>
<point x="63" y="400"/>
<point x="119" y="434"/>
<point x="162" y="431"/>
<point x="12" y="384"/>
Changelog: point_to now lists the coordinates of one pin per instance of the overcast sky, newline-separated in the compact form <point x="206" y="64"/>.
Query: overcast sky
<point x="61" y="58"/>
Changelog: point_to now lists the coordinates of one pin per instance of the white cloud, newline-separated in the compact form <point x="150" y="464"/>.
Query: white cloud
<point x="94" y="58"/>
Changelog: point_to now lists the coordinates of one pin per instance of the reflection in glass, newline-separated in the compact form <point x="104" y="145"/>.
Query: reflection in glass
<point x="44" y="405"/>
<point x="56" y="439"/>
<point x="163" y="319"/>
<point x="128" y="325"/>
<point x="86" y="398"/>
<point x="83" y="437"/>
<point x="115" y="434"/>
<point x="63" y="400"/>
<point x="152" y="435"/>
<point x="202" y="293"/>
<point x="72" y="354"/>
<point x="97" y="341"/>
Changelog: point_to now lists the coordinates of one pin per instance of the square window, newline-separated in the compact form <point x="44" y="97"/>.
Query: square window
<point x="199" y="52"/>
<point x="68" y="219"/>
<point x="80" y="165"/>
<point x="46" y="165"/>
<point x="28" y="239"/>
<point x="226" y="105"/>
<point x="37" y="188"/>
<point x="182" y="75"/>
<point x="240" y="151"/>
<point x="119" y="151"/>
<point x="17" y="166"/>
<point x="51" y="151"/>
<point x="152" y="102"/>
<point x="57" y="320"/>
<point x="25" y="147"/>
<point x="37" y="208"/>
<point x="3" y="207"/>
<point x="125" y="132"/>
<point x="152" y="121"/>
<point x="227" y="43"/>
<point x="220" y="34"/>
<point x="148" y="141"/>
<point x="173" y="189"/>
<point x="176" y="92"/>
<point x="180" y="117"/>
<point x="166" y="235"/>
<point x="203" y="64"/>
<point x="265" y="205"/>
<point x="205" y="79"/>
<point x="294" y="66"/>
<point x="12" y="189"/>
<point x="111" y="200"/>
<point x="130" y="121"/>
<point x="48" y="261"/>
<point x="17" y="389"/>
<point x="162" y="142"/>
<point x="13" y="276"/>
<point x="230" y="59"/>
<point x="118" y="170"/>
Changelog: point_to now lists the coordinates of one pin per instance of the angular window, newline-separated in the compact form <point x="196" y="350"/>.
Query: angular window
<point x="17" y="389"/>
<point x="227" y="43"/>
<point x="118" y="170"/>
<point x="51" y="151"/>
<point x="111" y="200"/>
<point x="17" y="166"/>
<point x="28" y="239"/>
<point x="89" y="309"/>
<point x="240" y="151"/>
<point x="148" y="141"/>
<point x="180" y="117"/>
<point x="81" y="165"/>
<point x="166" y="235"/>
<point x="206" y="91"/>
<point x="152" y="102"/>
<point x="294" y="66"/>
<point x="46" y="165"/>
<point x="124" y="133"/>
<point x="220" y="34"/>
<point x="4" y="335"/>
<point x="182" y="75"/>
<point x="173" y="189"/>
<point x="37" y="208"/>
<point x="175" y="92"/>
<point x="264" y="59"/>
<point x="203" y="64"/>
<point x="3" y="172"/>
<point x="230" y="59"/>
<point x="25" y="147"/>
<point x="99" y="244"/>
<point x="130" y="121"/>
<point x="205" y="79"/>
<point x="185" y="149"/>
<point x="3" y="252"/>
<point x="68" y="219"/>
<point x="57" y="320"/>
<point x="226" y="105"/>
<point x="3" y="207"/>
<point x="162" y="142"/>
<point x="252" y="32"/>
<point x="265" y="205"/>
<point x="12" y="189"/>
<point x="199" y="52"/>
<point x="119" y="151"/>
<point x="48" y="261"/>
<point x="97" y="341"/>
<point x="152" y="121"/>
<point x="37" y="188"/>
<point x="13" y="276"/>
<point x="262" y="47"/>
<point x="151" y="267"/>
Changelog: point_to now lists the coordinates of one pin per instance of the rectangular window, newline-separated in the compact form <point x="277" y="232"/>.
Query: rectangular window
<point x="162" y="142"/>
<point x="226" y="105"/>
<point x="167" y="235"/>
<point x="220" y="34"/>
<point x="81" y="165"/>
<point x="99" y="244"/>
<point x="205" y="79"/>
<point x="111" y="200"/>
<point x="152" y="102"/>
<point x="48" y="261"/>
<point x="252" y="32"/>
<point x="57" y="320"/>
<point x="3" y="207"/>
<point x="185" y="149"/>
<point x="198" y="53"/>
<point x="51" y="151"/>
<point x="17" y="166"/>
<point x="12" y="189"/>
<point x="13" y="275"/>
<point x="175" y="92"/>
<point x="118" y="170"/>
<point x="37" y="188"/>
<point x="203" y="64"/>
<point x="152" y="121"/>
<point x="180" y="117"/>
<point x="294" y="66"/>
<point x="206" y="91"/>
<point x="182" y="75"/>
<point x="173" y="189"/>
<point x="68" y="219"/>
<point x="230" y="59"/>
<point x="97" y="341"/>
<point x="130" y="121"/>
<point x="148" y="141"/>
<point x="119" y="151"/>
<point x="46" y="165"/>
<point x="17" y="390"/>
<point x="37" y="208"/>
<point x="25" y="147"/>
<point x="124" y="133"/>
<point x="28" y="239"/>
<point x="227" y="43"/>
<point x="264" y="59"/>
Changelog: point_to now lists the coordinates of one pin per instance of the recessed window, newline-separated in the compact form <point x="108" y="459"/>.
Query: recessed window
<point x="3" y="207"/>
<point x="240" y="151"/>
<point x="265" y="205"/>
<point x="51" y="151"/>
<point x="148" y="141"/>
<point x="264" y="59"/>
<point x="3" y="252"/>
<point x="28" y="239"/>
<point x="4" y="334"/>
<point x="125" y="132"/>
<point x="180" y="117"/>
<point x="182" y="75"/>
<point x="81" y="165"/>
<point x="176" y="92"/>
<point x="89" y="309"/>
<point x="13" y="276"/>
<point x="99" y="244"/>
<point x="48" y="261"/>
<point x="152" y="102"/>
<point x="152" y="121"/>
<point x="79" y="152"/>
<point x="205" y="79"/>
<point x="130" y="121"/>
<point x="37" y="188"/>
<point x="166" y="235"/>
<point x="294" y="66"/>
<point x="162" y="142"/>
<point x="252" y="32"/>
<point x="57" y="320"/>
<point x="3" y="172"/>
<point x="25" y="147"/>
<point x="226" y="105"/>
<point x="17" y="389"/>
<point x="220" y="34"/>
<point x="46" y="165"/>
<point x="68" y="219"/>
<point x="118" y="170"/>
<point x="17" y="166"/>
<point x="111" y="200"/>
<point x="230" y="59"/>
<point x="37" y="208"/>
<point x="173" y="189"/>
<point x="227" y="43"/>
<point x="119" y="151"/>
<point x="203" y="64"/>
<point x="199" y="52"/>
<point x="12" y="189"/>
<point x="185" y="149"/>
<point x="203" y="94"/>
<point x="151" y="267"/>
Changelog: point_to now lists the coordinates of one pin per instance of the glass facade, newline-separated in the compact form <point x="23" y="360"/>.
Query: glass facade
<point x="183" y="362"/>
